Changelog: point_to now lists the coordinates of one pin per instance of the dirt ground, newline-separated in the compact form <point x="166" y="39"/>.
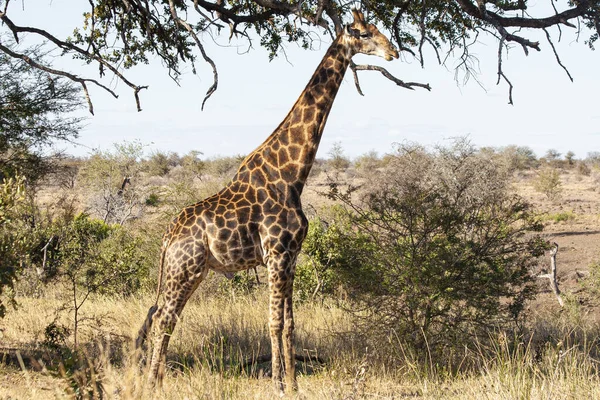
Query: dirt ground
<point x="573" y="222"/>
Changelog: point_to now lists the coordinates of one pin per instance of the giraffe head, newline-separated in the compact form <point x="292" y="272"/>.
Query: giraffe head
<point x="365" y="38"/>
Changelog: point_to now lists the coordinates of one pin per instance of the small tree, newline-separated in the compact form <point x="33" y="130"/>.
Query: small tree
<point x="552" y="157"/>
<point x="35" y="111"/>
<point x="192" y="164"/>
<point x="157" y="164"/>
<point x="570" y="158"/>
<point x="89" y="257"/>
<point x="548" y="182"/>
<point x="337" y="160"/>
<point x="113" y="179"/>
<point x="437" y="248"/>
<point x="368" y="162"/>
<point x="519" y="158"/>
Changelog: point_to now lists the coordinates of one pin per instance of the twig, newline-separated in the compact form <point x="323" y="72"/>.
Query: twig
<point x="556" y="54"/>
<point x="502" y="75"/>
<point x="187" y="27"/>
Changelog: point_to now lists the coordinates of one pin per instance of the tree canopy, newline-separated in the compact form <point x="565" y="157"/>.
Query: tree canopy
<point x="119" y="34"/>
<point x="35" y="111"/>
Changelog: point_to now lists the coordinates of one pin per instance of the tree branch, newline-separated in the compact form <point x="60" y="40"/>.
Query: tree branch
<point x="501" y="23"/>
<point x="384" y="72"/>
<point x="187" y="27"/>
<point x="69" y="46"/>
<point x="501" y="73"/>
<point x="74" y="78"/>
<point x="556" y="54"/>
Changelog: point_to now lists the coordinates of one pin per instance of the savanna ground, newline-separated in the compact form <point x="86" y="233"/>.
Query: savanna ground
<point x="222" y="328"/>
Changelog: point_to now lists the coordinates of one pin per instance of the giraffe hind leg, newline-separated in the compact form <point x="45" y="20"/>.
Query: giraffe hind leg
<point x="165" y="319"/>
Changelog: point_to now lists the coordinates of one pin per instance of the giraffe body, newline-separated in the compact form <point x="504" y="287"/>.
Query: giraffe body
<point x="257" y="218"/>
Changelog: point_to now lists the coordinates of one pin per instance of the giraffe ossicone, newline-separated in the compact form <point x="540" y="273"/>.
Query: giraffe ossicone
<point x="257" y="218"/>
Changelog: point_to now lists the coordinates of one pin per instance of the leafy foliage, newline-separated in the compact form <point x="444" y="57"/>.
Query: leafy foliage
<point x="548" y="182"/>
<point x="90" y="256"/>
<point x="15" y="206"/>
<point x="436" y="248"/>
<point x="34" y="112"/>
<point x="120" y="35"/>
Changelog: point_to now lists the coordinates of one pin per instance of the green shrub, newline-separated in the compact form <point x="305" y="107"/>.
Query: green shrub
<point x="158" y="164"/>
<point x="548" y="182"/>
<point x="314" y="276"/>
<point x="15" y="232"/>
<point x="563" y="216"/>
<point x="437" y="247"/>
<point x="152" y="200"/>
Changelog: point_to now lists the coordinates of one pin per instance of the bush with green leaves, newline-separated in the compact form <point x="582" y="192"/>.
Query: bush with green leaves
<point x="15" y="208"/>
<point x="36" y="111"/>
<point x="548" y="182"/>
<point x="315" y="277"/>
<point x="437" y="248"/>
<point x="89" y="256"/>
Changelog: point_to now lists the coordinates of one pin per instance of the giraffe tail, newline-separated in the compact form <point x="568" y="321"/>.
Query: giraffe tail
<point x="147" y="326"/>
<point x="145" y="329"/>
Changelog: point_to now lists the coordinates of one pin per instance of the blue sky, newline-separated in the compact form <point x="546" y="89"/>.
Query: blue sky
<point x="254" y="96"/>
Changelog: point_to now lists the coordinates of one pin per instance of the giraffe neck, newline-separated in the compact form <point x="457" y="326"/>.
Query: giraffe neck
<point x="288" y="154"/>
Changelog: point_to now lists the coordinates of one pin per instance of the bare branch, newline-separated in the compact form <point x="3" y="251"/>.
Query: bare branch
<point x="187" y="26"/>
<point x="552" y="275"/>
<point x="74" y="78"/>
<point x="356" y="82"/>
<point x="423" y="32"/>
<point x="384" y="72"/>
<point x="69" y="46"/>
<point x="501" y="23"/>
<point x="437" y="54"/>
<point x="502" y="75"/>
<point x="556" y="12"/>
<point x="395" y="28"/>
<point x="556" y="54"/>
<point x="522" y="22"/>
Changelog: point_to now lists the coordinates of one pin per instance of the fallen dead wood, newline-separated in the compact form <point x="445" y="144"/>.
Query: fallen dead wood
<point x="552" y="275"/>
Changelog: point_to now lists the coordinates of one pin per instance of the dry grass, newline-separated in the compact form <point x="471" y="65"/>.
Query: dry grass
<point x="217" y="333"/>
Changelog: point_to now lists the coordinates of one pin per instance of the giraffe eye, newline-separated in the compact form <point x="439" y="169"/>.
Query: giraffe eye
<point x="365" y="35"/>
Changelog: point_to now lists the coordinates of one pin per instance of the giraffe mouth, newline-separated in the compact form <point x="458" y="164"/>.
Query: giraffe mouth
<point x="391" y="54"/>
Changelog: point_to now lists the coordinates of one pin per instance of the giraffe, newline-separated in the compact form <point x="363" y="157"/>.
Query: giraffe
<point x="257" y="218"/>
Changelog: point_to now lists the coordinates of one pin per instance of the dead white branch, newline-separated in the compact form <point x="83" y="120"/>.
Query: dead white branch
<point x="552" y="275"/>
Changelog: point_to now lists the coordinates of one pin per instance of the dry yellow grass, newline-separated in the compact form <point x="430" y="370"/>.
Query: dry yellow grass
<point x="214" y="331"/>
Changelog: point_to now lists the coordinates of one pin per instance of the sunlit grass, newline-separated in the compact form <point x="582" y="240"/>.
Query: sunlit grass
<point x="218" y="333"/>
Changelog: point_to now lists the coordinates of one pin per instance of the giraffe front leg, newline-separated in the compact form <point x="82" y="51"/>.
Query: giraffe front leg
<point x="281" y="320"/>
